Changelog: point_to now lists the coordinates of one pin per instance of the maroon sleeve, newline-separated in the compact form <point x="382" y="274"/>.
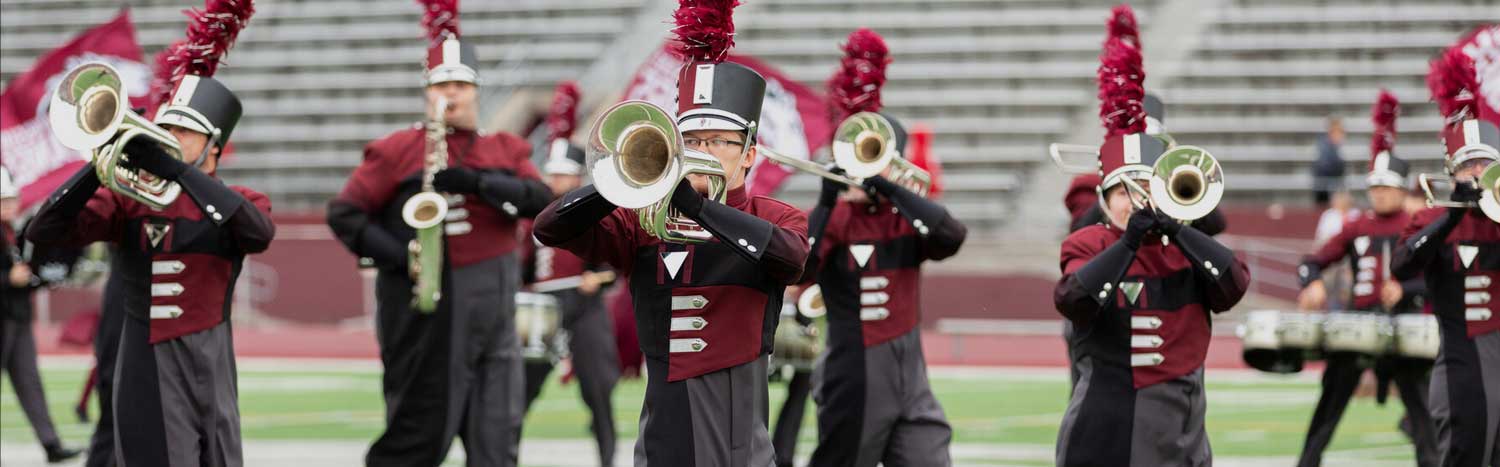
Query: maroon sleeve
<point x="252" y="228"/>
<point x="1335" y="248"/>
<point x="584" y="229"/>
<point x="374" y="181"/>
<point x="1070" y="297"/>
<point x="786" y="254"/>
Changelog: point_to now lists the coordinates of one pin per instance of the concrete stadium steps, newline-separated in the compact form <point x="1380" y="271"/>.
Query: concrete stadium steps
<point x="996" y="81"/>
<point x="1267" y="74"/>
<point x="322" y="78"/>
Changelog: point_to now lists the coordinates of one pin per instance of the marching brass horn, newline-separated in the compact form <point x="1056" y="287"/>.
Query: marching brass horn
<point x="636" y="158"/>
<point x="90" y="111"/>
<point x="810" y="303"/>
<point x="864" y="145"/>
<point x="1187" y="183"/>
<point x="1489" y="198"/>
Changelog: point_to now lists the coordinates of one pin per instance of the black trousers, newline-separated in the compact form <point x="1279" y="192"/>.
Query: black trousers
<point x="1341" y="378"/>
<point x="789" y="420"/>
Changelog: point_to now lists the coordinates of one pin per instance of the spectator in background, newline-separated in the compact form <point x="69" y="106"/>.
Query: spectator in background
<point x="1328" y="169"/>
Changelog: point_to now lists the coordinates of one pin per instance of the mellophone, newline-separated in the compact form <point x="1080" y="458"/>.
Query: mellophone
<point x="1280" y="341"/>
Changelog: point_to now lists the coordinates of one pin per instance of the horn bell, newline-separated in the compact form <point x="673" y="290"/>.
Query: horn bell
<point x="1187" y="183"/>
<point x="635" y="154"/>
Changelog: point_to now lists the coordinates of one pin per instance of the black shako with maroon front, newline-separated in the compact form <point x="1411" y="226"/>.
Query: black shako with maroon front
<point x="697" y="306"/>
<point x="1141" y="332"/>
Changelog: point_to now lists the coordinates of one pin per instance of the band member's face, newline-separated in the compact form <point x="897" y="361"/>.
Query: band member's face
<point x="463" y="103"/>
<point x="1471" y="170"/>
<point x="563" y="183"/>
<point x="726" y="146"/>
<point x="1117" y="201"/>
<point x="1386" y="199"/>
<point x="192" y="144"/>
<point x="9" y="208"/>
<point x="1415" y="202"/>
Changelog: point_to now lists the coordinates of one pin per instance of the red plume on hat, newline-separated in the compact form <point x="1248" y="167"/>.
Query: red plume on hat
<point x="562" y="117"/>
<point x="1122" y="78"/>
<point x="1451" y="81"/>
<point x="439" y="18"/>
<point x="1383" y="115"/>
<point x="1122" y="24"/>
<point x="855" y="86"/>
<point x="210" y="33"/>
<point x="705" y="29"/>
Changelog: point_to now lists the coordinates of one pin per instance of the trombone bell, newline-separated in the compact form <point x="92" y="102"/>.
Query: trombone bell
<point x="1187" y="183"/>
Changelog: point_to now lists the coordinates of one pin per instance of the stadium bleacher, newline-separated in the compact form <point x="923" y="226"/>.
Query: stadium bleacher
<point x="995" y="80"/>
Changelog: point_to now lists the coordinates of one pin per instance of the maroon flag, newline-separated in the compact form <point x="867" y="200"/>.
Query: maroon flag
<point x="38" y="163"/>
<point x="793" y="119"/>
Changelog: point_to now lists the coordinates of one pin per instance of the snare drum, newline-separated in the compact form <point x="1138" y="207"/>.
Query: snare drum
<point x="538" y="319"/>
<point x="1262" y="336"/>
<point x="1417" y="335"/>
<point x="1362" y="333"/>
<point x="1301" y="331"/>
<point x="796" y="346"/>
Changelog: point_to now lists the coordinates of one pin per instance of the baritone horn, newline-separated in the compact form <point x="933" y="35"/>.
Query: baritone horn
<point x="1489" y="198"/>
<point x="90" y="111"/>
<point x="864" y="145"/>
<point x="1187" y="183"/>
<point x="636" y="158"/>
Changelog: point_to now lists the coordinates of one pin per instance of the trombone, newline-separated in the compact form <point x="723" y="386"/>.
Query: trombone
<point x="90" y="111"/>
<point x="636" y="157"/>
<point x="1489" y="198"/>
<point x="864" y="145"/>
<point x="1189" y="182"/>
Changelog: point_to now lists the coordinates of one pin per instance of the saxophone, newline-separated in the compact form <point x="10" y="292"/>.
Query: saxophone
<point x="425" y="212"/>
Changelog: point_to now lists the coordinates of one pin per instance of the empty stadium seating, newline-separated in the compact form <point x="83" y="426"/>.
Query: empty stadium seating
<point x="995" y="79"/>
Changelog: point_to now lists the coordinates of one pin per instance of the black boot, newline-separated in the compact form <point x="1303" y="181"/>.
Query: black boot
<point x="57" y="453"/>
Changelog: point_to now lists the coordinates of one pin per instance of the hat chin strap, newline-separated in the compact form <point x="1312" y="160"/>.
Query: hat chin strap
<point x="213" y="140"/>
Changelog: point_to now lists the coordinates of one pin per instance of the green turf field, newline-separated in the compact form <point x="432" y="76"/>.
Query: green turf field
<point x="1005" y="410"/>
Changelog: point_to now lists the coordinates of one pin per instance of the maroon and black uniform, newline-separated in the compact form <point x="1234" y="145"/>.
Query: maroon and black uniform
<point x="457" y="370"/>
<point x="705" y="314"/>
<point x="1367" y="242"/>
<point x="177" y="269"/>
<point x="595" y="361"/>
<point x="1141" y="314"/>
<point x="1457" y="252"/>
<point x="874" y="402"/>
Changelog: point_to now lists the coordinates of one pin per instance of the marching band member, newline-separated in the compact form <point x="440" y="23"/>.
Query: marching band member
<point x="1453" y="249"/>
<point x="705" y="312"/>
<point x="17" y="343"/>
<point x="874" y="401"/>
<point x="1138" y="290"/>
<point x="454" y="369"/>
<point x="175" y="394"/>
<point x="591" y="340"/>
<point x="1367" y="243"/>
